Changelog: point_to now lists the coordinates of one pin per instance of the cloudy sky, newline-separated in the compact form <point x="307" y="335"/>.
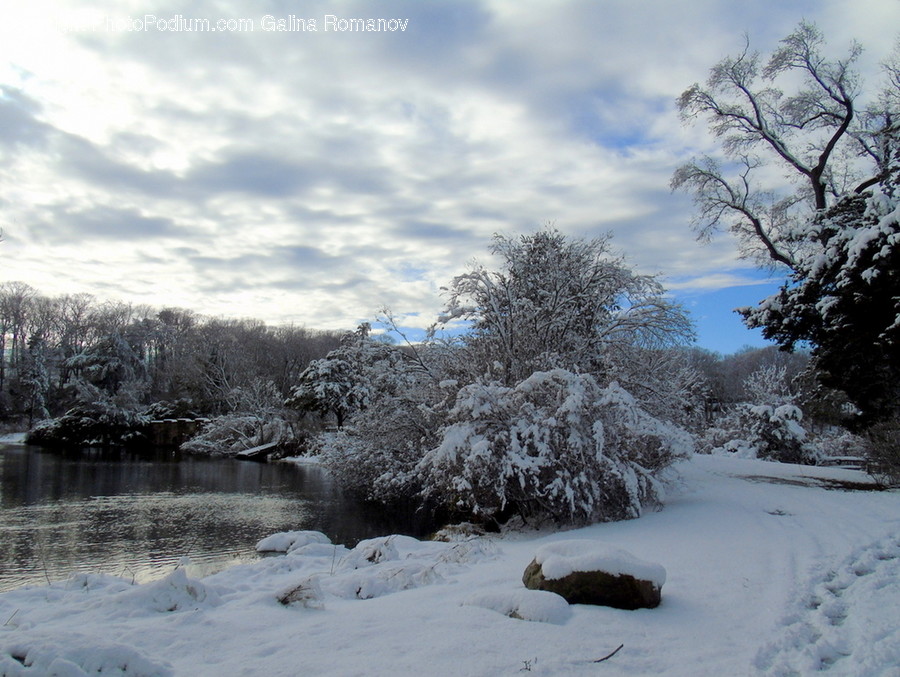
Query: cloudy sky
<point x="314" y="176"/>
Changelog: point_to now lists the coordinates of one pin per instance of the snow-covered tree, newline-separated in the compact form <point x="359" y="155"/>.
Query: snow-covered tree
<point x="558" y="303"/>
<point x="37" y="381"/>
<point x="843" y="298"/>
<point x="522" y="413"/>
<point x="833" y="225"/>
<point x="767" y="426"/>
<point x="346" y="379"/>
<point x="816" y="131"/>
<point x="109" y="363"/>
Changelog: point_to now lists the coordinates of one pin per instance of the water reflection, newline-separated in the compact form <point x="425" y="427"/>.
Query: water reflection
<point x="136" y="515"/>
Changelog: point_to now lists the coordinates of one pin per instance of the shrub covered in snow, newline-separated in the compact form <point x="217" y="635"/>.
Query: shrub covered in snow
<point x="98" y="418"/>
<point x="377" y="453"/>
<point x="884" y="451"/>
<point x="767" y="427"/>
<point x="232" y="433"/>
<point x="763" y="431"/>
<point x="258" y="417"/>
<point x="556" y="444"/>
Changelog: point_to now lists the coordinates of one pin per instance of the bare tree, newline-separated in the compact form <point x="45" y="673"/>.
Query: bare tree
<point x="15" y="301"/>
<point x="816" y="133"/>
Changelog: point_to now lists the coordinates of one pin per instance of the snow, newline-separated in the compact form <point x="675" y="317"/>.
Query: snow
<point x="527" y="605"/>
<point x="561" y="558"/>
<point x="771" y="569"/>
<point x="287" y="541"/>
<point x="312" y="459"/>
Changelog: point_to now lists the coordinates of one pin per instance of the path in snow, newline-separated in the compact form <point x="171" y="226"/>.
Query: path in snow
<point x="848" y="621"/>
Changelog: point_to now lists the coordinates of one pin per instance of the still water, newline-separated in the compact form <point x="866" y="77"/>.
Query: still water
<point x="136" y="515"/>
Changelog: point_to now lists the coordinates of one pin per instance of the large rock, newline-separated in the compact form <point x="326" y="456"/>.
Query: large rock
<point x="588" y="572"/>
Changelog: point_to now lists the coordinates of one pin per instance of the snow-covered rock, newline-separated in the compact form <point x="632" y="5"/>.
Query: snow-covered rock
<point x="588" y="572"/>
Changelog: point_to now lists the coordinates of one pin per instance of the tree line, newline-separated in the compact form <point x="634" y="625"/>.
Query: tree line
<point x="70" y="351"/>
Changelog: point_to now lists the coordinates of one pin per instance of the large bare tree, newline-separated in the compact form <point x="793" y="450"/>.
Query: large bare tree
<point x="830" y="219"/>
<point x="796" y="134"/>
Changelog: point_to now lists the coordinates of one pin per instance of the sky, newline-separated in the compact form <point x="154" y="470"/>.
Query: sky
<point x="315" y="176"/>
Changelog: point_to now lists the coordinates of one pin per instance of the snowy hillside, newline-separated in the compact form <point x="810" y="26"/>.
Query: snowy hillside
<point x="770" y="570"/>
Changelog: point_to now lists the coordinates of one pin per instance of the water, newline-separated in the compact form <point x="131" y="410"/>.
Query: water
<point x="136" y="515"/>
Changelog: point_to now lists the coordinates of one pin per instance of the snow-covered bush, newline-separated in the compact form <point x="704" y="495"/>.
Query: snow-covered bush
<point x="835" y="441"/>
<point x="230" y="434"/>
<point x="776" y="432"/>
<point x="180" y="408"/>
<point x="390" y="401"/>
<point x="511" y="417"/>
<point x="375" y="455"/>
<point x="258" y="418"/>
<point x="769" y="426"/>
<point x="666" y="385"/>
<point x="762" y="431"/>
<point x="555" y="445"/>
<point x="884" y="451"/>
<point x="98" y="418"/>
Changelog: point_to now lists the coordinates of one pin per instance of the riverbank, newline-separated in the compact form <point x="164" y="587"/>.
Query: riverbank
<point x="770" y="569"/>
<point x="135" y="514"/>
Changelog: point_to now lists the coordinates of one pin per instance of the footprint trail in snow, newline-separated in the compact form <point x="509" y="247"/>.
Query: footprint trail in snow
<point x="823" y="635"/>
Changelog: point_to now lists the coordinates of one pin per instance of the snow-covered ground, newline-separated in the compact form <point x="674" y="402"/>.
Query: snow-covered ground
<point x="767" y="571"/>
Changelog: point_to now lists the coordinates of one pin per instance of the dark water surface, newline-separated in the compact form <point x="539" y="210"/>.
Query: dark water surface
<point x="137" y="514"/>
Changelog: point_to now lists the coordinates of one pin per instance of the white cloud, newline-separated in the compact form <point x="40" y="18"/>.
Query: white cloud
<point x="719" y="280"/>
<point x="303" y="176"/>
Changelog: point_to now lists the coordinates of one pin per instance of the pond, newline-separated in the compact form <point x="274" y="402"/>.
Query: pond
<point x="137" y="514"/>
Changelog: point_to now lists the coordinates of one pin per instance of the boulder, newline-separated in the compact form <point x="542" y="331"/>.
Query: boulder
<point x="588" y="572"/>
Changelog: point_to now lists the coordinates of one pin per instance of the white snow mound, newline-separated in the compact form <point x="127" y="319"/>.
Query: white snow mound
<point x="75" y="655"/>
<point x="528" y="605"/>
<point x="175" y="592"/>
<point x="561" y="558"/>
<point x="288" y="541"/>
<point x="382" y="579"/>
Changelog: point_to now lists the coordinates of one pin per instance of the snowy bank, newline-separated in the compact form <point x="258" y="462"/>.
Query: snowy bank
<point x="768" y="571"/>
<point x="302" y="460"/>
